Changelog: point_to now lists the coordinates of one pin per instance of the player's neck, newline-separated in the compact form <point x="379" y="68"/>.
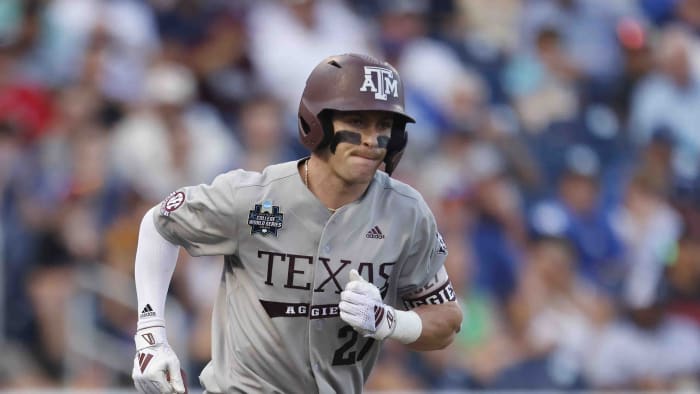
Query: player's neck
<point x="330" y="189"/>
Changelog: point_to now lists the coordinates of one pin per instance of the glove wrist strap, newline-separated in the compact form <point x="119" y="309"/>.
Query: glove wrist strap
<point x="408" y="327"/>
<point x="149" y="322"/>
<point x="150" y="336"/>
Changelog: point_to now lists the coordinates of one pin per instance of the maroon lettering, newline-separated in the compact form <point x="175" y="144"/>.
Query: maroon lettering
<point x="291" y="271"/>
<point x="369" y="269"/>
<point x="296" y="268"/>
<point x="332" y="274"/>
<point x="385" y="270"/>
<point x="270" y="260"/>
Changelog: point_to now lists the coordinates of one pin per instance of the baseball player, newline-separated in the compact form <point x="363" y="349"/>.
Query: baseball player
<point x="325" y="257"/>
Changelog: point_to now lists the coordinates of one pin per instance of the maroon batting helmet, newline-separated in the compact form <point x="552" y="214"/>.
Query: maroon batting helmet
<point x="352" y="82"/>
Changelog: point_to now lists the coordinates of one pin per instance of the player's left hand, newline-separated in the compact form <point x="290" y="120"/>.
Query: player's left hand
<point x="156" y="366"/>
<point x="361" y="306"/>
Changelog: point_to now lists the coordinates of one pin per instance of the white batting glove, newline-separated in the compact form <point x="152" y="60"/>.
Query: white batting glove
<point x="156" y="367"/>
<point x="361" y="306"/>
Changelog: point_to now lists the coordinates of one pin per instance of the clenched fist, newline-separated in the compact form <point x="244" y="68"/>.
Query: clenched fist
<point x="361" y="306"/>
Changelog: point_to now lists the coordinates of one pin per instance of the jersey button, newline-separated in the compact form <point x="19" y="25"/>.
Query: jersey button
<point x="327" y="248"/>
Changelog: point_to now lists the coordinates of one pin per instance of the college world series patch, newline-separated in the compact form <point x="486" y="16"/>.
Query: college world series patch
<point x="265" y="218"/>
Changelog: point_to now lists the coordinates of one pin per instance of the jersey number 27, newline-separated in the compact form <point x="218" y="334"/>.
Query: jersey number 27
<point x="346" y="354"/>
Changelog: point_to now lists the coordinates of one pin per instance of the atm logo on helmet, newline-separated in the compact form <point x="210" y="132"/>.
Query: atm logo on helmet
<point x="381" y="81"/>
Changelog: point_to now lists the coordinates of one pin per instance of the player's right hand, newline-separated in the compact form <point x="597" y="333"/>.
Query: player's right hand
<point x="156" y="367"/>
<point x="361" y="306"/>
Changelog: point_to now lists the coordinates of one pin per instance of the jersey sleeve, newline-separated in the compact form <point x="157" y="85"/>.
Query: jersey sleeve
<point x="438" y="290"/>
<point x="201" y="218"/>
<point x="426" y="257"/>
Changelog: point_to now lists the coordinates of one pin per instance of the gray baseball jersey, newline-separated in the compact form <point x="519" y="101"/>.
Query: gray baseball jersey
<point x="276" y="324"/>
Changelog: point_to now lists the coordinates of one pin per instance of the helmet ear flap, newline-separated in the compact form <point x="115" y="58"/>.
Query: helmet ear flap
<point x="314" y="131"/>
<point x="311" y="130"/>
<point x="397" y="144"/>
<point x="392" y="160"/>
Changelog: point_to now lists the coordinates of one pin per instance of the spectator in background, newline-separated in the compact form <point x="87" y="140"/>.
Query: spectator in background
<point x="688" y="14"/>
<point x="123" y="32"/>
<point x="669" y="97"/>
<point x="489" y="26"/>
<point x="497" y="234"/>
<point x="211" y="39"/>
<point x="587" y="30"/>
<point x="656" y="159"/>
<point x="555" y="315"/>
<point x="26" y="112"/>
<point x="659" y="12"/>
<point x="634" y="38"/>
<point x="391" y="372"/>
<point x="286" y="38"/>
<point x="173" y="139"/>
<point x="24" y="104"/>
<point x="19" y="366"/>
<point x="443" y="176"/>
<point x="577" y="213"/>
<point x="465" y="113"/>
<point x="542" y="82"/>
<point x="481" y="34"/>
<point x="649" y="228"/>
<point x="647" y="348"/>
<point x="65" y="196"/>
<point x="39" y="249"/>
<point x="261" y="130"/>
<point x="684" y="279"/>
<point x="434" y="95"/>
<point x="222" y="64"/>
<point x="485" y="33"/>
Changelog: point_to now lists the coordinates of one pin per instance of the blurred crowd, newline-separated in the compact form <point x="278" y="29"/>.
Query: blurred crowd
<point x="557" y="142"/>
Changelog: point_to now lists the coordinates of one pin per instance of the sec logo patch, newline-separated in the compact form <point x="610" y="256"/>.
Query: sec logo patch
<point x="173" y="202"/>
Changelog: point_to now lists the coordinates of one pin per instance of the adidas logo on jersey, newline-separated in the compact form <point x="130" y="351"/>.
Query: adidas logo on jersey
<point x="147" y="311"/>
<point x="375" y="232"/>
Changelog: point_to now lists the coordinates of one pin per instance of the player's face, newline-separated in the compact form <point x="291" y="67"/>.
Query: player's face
<point x="363" y="137"/>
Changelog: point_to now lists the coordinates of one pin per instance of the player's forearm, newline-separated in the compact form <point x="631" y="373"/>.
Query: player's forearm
<point x="155" y="262"/>
<point x="440" y="323"/>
